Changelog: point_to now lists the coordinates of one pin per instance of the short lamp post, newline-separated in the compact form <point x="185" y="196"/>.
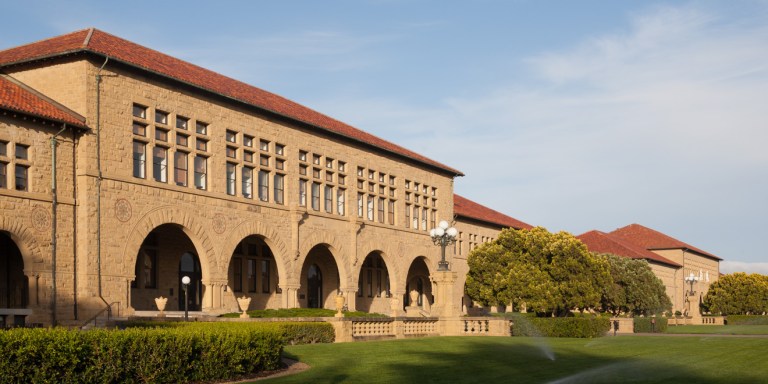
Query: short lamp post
<point x="691" y="280"/>
<point x="444" y="235"/>
<point x="185" y="283"/>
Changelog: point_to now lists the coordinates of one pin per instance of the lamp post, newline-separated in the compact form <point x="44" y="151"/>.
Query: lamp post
<point x="691" y="280"/>
<point x="185" y="284"/>
<point x="444" y="235"/>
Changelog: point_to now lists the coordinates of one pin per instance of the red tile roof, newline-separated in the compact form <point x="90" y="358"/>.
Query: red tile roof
<point x="118" y="49"/>
<point x="19" y="98"/>
<point x="469" y="209"/>
<point x="601" y="242"/>
<point x="651" y="239"/>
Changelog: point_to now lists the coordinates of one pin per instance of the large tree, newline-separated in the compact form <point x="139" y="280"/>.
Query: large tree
<point x="549" y="272"/>
<point x="738" y="294"/>
<point x="635" y="288"/>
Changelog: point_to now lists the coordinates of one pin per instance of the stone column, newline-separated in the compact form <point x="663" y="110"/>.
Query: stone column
<point x="351" y="296"/>
<point x="445" y="305"/>
<point x="32" y="290"/>
<point x="289" y="297"/>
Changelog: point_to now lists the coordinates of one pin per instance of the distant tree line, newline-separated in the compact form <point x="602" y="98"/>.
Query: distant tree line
<point x="555" y="274"/>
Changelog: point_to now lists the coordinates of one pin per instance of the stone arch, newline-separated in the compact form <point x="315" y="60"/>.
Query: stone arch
<point x="334" y="246"/>
<point x="31" y="251"/>
<point x="270" y="237"/>
<point x="190" y="224"/>
<point x="392" y="266"/>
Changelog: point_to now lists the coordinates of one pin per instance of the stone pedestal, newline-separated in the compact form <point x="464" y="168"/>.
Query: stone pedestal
<point x="443" y="282"/>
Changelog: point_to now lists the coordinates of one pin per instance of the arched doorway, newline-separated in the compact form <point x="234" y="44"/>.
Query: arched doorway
<point x="314" y="287"/>
<point x="418" y="281"/>
<point x="189" y="265"/>
<point x="253" y="273"/>
<point x="320" y="280"/>
<point x="163" y="258"/>
<point x="373" y="287"/>
<point x="13" y="283"/>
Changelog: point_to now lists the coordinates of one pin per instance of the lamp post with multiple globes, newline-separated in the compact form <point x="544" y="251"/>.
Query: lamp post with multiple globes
<point x="444" y="235"/>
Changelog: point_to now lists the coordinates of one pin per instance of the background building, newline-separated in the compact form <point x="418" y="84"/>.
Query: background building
<point x="686" y="271"/>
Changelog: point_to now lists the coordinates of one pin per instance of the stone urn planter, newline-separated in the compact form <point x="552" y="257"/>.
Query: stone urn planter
<point x="339" y="305"/>
<point x="414" y="298"/>
<point x="244" y="302"/>
<point x="161" y="302"/>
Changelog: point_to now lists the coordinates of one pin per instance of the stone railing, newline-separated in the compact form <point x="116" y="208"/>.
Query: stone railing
<point x="372" y="328"/>
<point x="476" y="326"/>
<point x="420" y="327"/>
<point x="713" y="320"/>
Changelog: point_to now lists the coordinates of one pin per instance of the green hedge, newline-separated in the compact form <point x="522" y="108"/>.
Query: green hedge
<point x="294" y="333"/>
<point x="746" y="320"/>
<point x="644" y="325"/>
<point x="582" y="327"/>
<point x="308" y="333"/>
<point x="196" y="352"/>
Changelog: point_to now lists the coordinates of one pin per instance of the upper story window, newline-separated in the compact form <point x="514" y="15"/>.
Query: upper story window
<point x="3" y="148"/>
<point x="139" y="111"/>
<point x="22" y="152"/>
<point x="139" y="129"/>
<point x="280" y="149"/>
<point x="161" y="117"/>
<point x="231" y="137"/>
<point x="201" y="128"/>
<point x="264" y="145"/>
<point x="248" y="141"/>
<point x="182" y="122"/>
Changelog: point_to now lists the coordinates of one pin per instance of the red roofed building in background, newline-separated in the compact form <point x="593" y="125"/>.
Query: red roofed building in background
<point x="686" y="271"/>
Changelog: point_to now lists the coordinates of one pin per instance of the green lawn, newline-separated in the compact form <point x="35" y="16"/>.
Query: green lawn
<point x="639" y="359"/>
<point x="719" y="329"/>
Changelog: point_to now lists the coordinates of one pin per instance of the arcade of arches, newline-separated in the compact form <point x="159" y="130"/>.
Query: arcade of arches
<point x="167" y="254"/>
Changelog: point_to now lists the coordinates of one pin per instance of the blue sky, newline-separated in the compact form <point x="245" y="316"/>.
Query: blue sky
<point x="569" y="115"/>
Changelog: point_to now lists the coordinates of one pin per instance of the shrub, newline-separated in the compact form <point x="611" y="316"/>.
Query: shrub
<point x="581" y="327"/>
<point x="644" y="325"/>
<point x="173" y="354"/>
<point x="746" y="320"/>
<point x="308" y="333"/>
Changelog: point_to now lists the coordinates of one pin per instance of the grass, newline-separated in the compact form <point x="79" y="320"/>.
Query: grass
<point x="719" y="329"/>
<point x="639" y="359"/>
<point x="301" y="312"/>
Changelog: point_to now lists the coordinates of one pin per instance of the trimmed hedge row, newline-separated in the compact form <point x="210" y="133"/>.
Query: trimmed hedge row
<point x="581" y="327"/>
<point x="182" y="352"/>
<point x="746" y="320"/>
<point x="644" y="325"/>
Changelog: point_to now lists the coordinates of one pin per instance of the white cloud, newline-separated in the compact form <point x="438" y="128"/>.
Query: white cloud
<point x="727" y="266"/>
<point x="662" y="124"/>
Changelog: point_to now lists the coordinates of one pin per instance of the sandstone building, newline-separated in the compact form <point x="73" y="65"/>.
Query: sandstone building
<point x="686" y="271"/>
<point x="123" y="169"/>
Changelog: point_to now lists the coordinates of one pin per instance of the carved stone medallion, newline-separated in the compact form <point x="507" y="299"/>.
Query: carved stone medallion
<point x="41" y="219"/>
<point x="123" y="210"/>
<point x="219" y="223"/>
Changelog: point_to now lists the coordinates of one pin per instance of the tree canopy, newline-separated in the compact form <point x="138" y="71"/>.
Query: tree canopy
<point x="551" y="273"/>
<point x="738" y="294"/>
<point x="635" y="289"/>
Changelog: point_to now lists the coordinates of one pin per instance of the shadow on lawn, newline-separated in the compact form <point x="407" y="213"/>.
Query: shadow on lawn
<point x="520" y="363"/>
